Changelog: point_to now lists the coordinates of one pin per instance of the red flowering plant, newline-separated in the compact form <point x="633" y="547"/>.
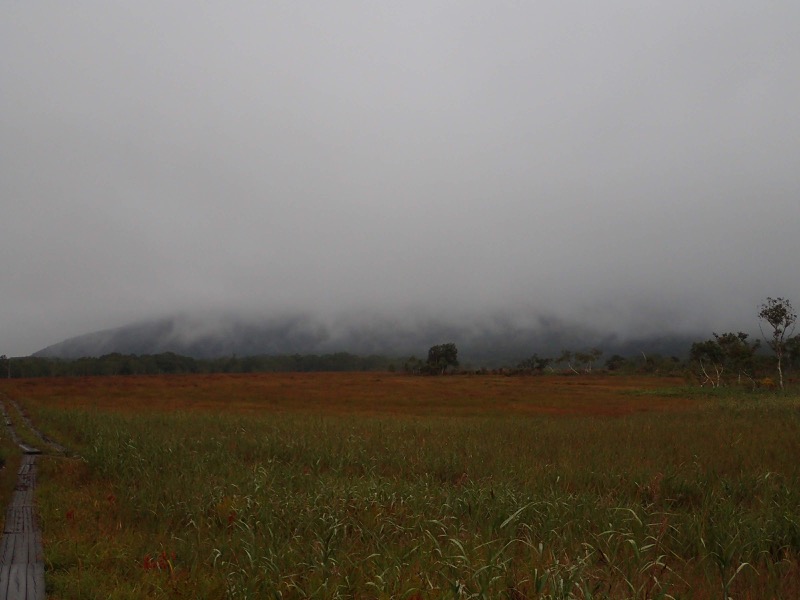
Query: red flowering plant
<point x="161" y="562"/>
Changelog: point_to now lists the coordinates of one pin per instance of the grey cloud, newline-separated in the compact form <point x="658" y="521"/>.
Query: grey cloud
<point x="634" y="165"/>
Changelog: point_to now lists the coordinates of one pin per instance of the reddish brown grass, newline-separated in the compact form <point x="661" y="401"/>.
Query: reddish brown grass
<point x="355" y="393"/>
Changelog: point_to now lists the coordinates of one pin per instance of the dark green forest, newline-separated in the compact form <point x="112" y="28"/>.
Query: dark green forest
<point x="172" y="363"/>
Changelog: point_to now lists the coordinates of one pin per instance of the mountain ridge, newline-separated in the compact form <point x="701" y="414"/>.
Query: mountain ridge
<point x="488" y="340"/>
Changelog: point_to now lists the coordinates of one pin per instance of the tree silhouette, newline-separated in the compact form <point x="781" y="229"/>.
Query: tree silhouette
<point x="780" y="315"/>
<point x="440" y="357"/>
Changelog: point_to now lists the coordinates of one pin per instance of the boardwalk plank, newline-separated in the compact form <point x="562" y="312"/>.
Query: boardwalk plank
<point x="17" y="582"/>
<point x="21" y="544"/>
<point x="7" y="550"/>
<point x="35" y="587"/>
<point x="21" y="554"/>
<point x="15" y="548"/>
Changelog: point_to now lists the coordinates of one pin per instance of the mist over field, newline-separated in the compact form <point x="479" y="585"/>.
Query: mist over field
<point x="621" y="170"/>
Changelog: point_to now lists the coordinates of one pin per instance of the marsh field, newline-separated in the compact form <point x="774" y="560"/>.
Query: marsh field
<point x="393" y="486"/>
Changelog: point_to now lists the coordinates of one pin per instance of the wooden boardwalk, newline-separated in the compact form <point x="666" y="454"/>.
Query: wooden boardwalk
<point x="21" y="560"/>
<point x="21" y="555"/>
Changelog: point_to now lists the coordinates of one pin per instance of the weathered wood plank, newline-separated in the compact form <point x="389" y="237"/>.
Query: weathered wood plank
<point x="17" y="582"/>
<point x="36" y="549"/>
<point x="35" y="588"/>
<point x="19" y="519"/>
<point x="15" y="548"/>
<point x="4" y="575"/>
<point x="7" y="549"/>
<point x="22" y="581"/>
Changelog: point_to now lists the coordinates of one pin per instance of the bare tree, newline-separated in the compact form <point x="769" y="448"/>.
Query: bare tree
<point x="780" y="315"/>
<point x="708" y="355"/>
<point x="738" y="354"/>
<point x="566" y="357"/>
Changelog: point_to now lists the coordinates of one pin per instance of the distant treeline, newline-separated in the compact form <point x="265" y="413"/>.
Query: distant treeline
<point x="171" y="363"/>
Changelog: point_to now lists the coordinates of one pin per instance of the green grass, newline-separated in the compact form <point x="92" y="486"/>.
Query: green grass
<point x="697" y="503"/>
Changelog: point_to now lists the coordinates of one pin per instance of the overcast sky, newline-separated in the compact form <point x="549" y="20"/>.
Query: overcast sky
<point x="600" y="161"/>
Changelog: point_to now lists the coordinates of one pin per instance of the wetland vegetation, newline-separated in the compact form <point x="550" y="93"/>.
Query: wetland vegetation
<point x="394" y="486"/>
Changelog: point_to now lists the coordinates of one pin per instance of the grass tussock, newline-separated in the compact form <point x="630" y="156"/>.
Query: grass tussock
<point x="492" y="487"/>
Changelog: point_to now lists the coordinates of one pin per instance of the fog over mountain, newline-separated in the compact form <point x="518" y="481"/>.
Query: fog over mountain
<point x="622" y="168"/>
<point x="490" y="340"/>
